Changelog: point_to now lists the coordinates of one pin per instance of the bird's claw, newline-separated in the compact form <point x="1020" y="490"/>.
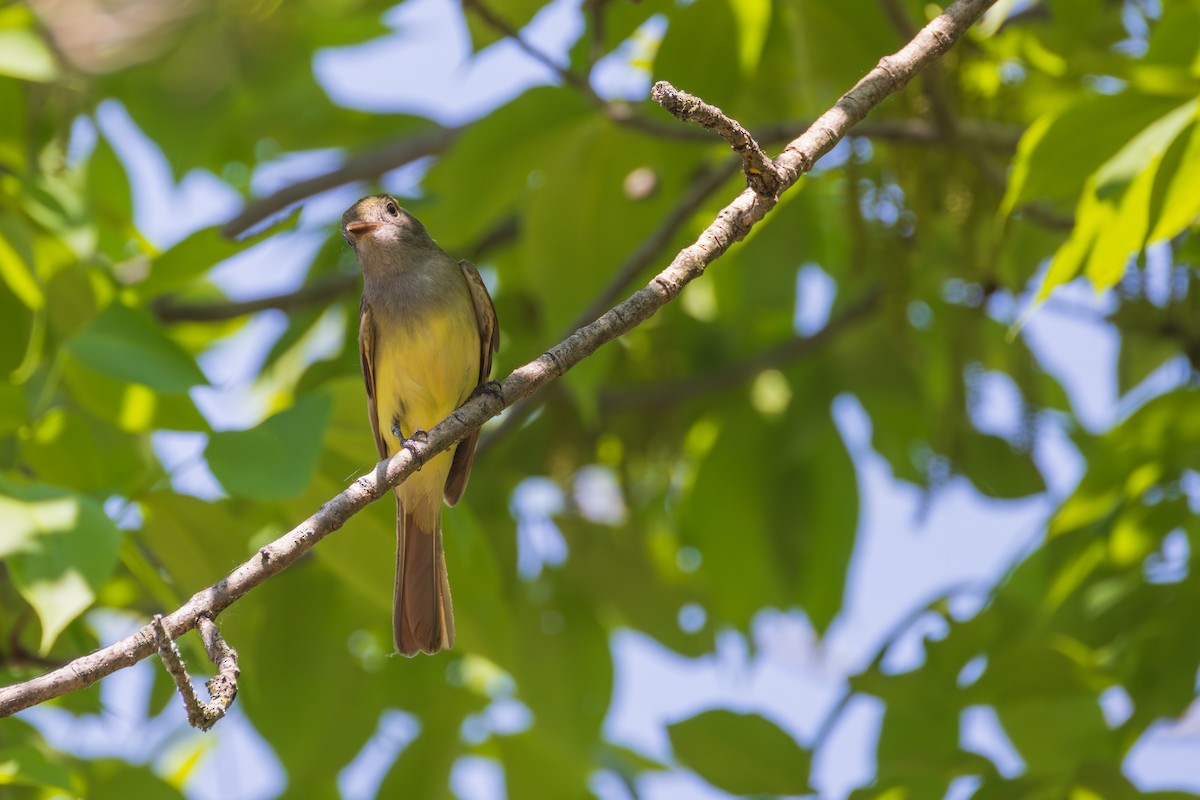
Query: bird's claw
<point x="419" y="437"/>
<point x="494" y="388"/>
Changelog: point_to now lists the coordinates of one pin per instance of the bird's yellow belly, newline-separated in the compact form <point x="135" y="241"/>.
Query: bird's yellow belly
<point x="422" y="373"/>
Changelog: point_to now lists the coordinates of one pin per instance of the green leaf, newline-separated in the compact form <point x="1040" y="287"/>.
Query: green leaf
<point x="563" y="638"/>
<point x="16" y="261"/>
<point x="728" y="496"/>
<point x="1142" y="354"/>
<point x="128" y="344"/>
<point x="288" y="608"/>
<point x="26" y="765"/>
<point x="84" y="454"/>
<point x="514" y="13"/>
<point x="22" y="334"/>
<point x="1112" y="218"/>
<point x="709" y="27"/>
<point x="196" y="542"/>
<point x="1175" y="40"/>
<point x="111" y="200"/>
<point x="1062" y="149"/>
<point x="803" y="513"/>
<point x="542" y="764"/>
<point x="1175" y="188"/>
<point x="14" y="411"/>
<point x="26" y="760"/>
<point x="474" y="187"/>
<point x="60" y="549"/>
<point x="130" y="407"/>
<point x="24" y="55"/>
<point x="274" y="460"/>
<point x="818" y="50"/>
<point x="567" y="248"/>
<point x="193" y="257"/>
<point x="753" y="20"/>
<point x="741" y="754"/>
<point x="1145" y="149"/>
<point x="110" y="779"/>
<point x="363" y="558"/>
<point x="13" y="126"/>
<point x="1055" y="733"/>
<point x="997" y="469"/>
<point x="994" y="17"/>
<point x="1122" y="233"/>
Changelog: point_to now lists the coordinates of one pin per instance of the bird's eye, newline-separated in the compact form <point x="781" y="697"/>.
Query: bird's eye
<point x="392" y="210"/>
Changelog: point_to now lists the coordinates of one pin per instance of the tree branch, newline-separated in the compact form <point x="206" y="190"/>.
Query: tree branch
<point x="170" y="310"/>
<point x="502" y="26"/>
<point x="759" y="169"/>
<point x="369" y="164"/>
<point x="222" y="688"/>
<point x="732" y="224"/>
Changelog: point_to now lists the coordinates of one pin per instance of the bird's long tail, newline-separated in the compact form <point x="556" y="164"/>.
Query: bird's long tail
<point x="422" y="613"/>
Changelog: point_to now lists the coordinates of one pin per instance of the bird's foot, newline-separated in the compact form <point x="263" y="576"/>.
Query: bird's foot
<point x="494" y="388"/>
<point x="415" y="444"/>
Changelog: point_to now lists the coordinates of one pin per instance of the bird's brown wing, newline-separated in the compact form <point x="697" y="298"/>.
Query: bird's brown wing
<point x="489" y="342"/>
<point x="366" y="353"/>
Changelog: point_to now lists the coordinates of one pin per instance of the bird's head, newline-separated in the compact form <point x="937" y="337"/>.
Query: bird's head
<point x="380" y="221"/>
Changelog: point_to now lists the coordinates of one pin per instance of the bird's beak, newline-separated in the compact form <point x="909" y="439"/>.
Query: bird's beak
<point x="356" y="229"/>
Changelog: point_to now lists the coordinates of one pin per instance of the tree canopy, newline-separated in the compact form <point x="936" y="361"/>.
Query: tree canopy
<point x="679" y="481"/>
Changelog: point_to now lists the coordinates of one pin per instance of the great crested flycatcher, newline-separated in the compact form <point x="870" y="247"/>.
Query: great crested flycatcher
<point x="427" y="330"/>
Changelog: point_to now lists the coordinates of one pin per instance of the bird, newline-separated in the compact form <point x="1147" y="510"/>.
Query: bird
<point x="427" y="332"/>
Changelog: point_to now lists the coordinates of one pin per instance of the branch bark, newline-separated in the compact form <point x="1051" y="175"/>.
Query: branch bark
<point x="758" y="166"/>
<point x="731" y="225"/>
<point x="222" y="688"/>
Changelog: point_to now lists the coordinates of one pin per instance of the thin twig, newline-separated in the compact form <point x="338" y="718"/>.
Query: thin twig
<point x="760" y="170"/>
<point x="732" y="224"/>
<point x="363" y="166"/>
<point x="170" y="310"/>
<point x="504" y="28"/>
<point x="595" y="10"/>
<point x="222" y="688"/>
